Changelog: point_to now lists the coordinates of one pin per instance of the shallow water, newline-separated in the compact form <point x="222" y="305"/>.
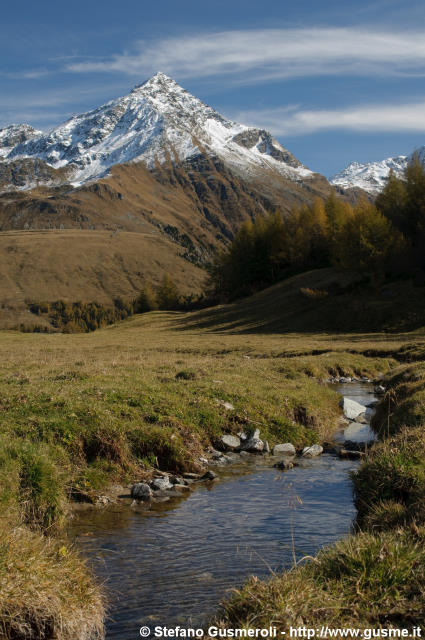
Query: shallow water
<point x="174" y="564"/>
<point x="364" y="394"/>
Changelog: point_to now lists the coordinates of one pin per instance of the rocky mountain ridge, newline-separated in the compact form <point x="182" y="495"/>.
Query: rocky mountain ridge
<point x="372" y="176"/>
<point x="156" y="121"/>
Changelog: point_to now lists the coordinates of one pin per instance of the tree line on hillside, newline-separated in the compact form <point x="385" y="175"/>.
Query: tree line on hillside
<point x="78" y="317"/>
<point x="378" y="240"/>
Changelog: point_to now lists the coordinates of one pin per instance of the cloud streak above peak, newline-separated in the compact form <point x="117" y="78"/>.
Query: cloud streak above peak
<point x="262" y="54"/>
<point x="374" y="118"/>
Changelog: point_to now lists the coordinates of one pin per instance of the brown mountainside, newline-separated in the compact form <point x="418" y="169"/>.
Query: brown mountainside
<point x="129" y="228"/>
<point x="199" y="198"/>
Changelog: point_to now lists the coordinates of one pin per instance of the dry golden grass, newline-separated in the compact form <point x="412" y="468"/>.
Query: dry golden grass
<point x="46" y="590"/>
<point x="81" y="265"/>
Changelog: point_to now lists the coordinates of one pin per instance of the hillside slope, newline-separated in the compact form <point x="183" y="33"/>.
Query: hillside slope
<point x="320" y="300"/>
<point x="77" y="265"/>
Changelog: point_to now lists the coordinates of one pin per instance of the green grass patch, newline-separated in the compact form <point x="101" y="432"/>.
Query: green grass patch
<point x="364" y="581"/>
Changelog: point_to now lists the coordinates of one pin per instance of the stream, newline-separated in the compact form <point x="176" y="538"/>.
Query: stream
<point x="174" y="563"/>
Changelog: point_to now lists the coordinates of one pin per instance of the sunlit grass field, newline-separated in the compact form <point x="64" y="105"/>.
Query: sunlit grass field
<point x="80" y="412"/>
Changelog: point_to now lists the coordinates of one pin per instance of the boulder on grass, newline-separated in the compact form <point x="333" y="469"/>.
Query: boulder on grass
<point x="229" y="442"/>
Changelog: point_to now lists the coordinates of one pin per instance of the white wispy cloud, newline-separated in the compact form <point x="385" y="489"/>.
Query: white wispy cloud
<point x="262" y="54"/>
<point x="293" y="121"/>
<point x="34" y="74"/>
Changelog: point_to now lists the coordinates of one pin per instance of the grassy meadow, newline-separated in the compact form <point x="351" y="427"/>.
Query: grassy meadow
<point x="80" y="412"/>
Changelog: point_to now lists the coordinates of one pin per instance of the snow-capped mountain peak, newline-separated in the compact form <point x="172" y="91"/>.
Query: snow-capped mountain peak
<point x="372" y="176"/>
<point x="156" y="121"/>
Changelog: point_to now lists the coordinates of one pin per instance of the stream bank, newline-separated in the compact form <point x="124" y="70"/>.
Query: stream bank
<point x="173" y="563"/>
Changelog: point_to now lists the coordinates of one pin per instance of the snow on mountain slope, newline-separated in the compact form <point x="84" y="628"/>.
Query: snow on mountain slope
<point x="158" y="120"/>
<point x="372" y="176"/>
<point x="15" y="134"/>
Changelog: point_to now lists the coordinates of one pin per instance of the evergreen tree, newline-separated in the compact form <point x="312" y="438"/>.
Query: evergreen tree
<point x="168" y="295"/>
<point x="392" y="201"/>
<point x="146" y="300"/>
<point x="367" y="243"/>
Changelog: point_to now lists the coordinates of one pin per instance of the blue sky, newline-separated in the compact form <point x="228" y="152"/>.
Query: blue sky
<point x="335" y="81"/>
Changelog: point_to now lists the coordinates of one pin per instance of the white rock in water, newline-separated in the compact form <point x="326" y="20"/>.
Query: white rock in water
<point x="286" y="449"/>
<point x="351" y="408"/>
<point x="313" y="451"/>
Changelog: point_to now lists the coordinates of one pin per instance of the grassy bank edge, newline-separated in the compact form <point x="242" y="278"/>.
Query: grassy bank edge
<point x="373" y="578"/>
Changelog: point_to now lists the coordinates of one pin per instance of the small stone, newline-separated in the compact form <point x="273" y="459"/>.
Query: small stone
<point x="312" y="451"/>
<point x="229" y="442"/>
<point x="355" y="446"/>
<point x="209" y="475"/>
<point x="284" y="465"/>
<point x="266" y="447"/>
<point x="220" y="460"/>
<point x="351" y="455"/>
<point x="191" y="476"/>
<point x="203" y="460"/>
<point x="216" y="455"/>
<point x="253" y="445"/>
<point x="232" y="456"/>
<point x="181" y="488"/>
<point x="161" y="484"/>
<point x="330" y="448"/>
<point x="227" y="405"/>
<point x="286" y="449"/>
<point x="379" y="390"/>
<point x="242" y="435"/>
<point x="141" y="491"/>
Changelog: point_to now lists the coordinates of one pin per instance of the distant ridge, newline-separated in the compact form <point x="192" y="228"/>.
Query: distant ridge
<point x="372" y="176"/>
